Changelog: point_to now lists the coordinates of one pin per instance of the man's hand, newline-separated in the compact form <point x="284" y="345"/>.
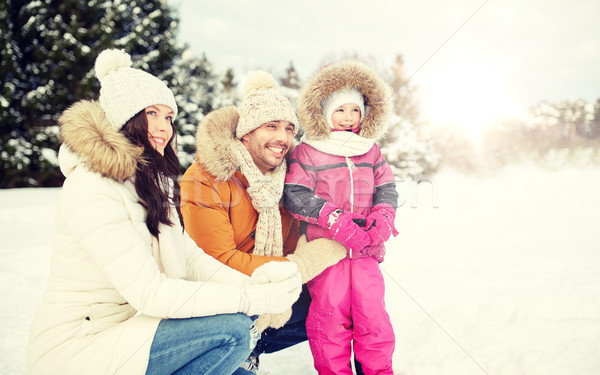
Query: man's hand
<point x="315" y="256"/>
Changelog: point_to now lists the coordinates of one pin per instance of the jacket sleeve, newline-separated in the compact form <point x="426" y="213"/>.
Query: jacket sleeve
<point x="203" y="267"/>
<point x="290" y="232"/>
<point x="385" y="184"/>
<point x="206" y="216"/>
<point x="300" y="182"/>
<point x="97" y="217"/>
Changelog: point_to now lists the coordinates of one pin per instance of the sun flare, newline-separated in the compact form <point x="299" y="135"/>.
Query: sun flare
<point x="467" y="95"/>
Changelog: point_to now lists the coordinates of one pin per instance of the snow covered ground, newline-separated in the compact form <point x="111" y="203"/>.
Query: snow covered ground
<point x="490" y="275"/>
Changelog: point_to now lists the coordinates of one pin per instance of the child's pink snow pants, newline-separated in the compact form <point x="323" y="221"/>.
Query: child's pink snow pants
<point x="348" y="304"/>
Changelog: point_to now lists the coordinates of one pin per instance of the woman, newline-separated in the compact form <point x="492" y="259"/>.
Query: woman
<point x="129" y="291"/>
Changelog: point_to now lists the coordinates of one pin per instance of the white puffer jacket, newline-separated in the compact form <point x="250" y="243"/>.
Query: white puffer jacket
<point x="106" y="293"/>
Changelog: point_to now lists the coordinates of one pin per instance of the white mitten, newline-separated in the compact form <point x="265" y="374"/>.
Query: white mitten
<point x="273" y="288"/>
<point x="315" y="256"/>
<point x="272" y="272"/>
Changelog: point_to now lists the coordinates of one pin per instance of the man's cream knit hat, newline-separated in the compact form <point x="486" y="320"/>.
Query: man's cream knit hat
<point x="263" y="103"/>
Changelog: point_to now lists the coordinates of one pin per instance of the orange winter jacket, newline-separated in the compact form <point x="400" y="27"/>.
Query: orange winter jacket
<point x="217" y="211"/>
<point x="219" y="216"/>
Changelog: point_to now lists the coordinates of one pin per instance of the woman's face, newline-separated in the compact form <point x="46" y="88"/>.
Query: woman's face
<point x="160" y="128"/>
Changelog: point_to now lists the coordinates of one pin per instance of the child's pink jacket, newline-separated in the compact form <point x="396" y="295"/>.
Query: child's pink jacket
<point x="347" y="312"/>
<point x="347" y="298"/>
<point x="354" y="184"/>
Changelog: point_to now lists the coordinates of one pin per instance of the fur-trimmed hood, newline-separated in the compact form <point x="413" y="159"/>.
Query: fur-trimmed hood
<point x="90" y="140"/>
<point x="215" y="137"/>
<point x="341" y="76"/>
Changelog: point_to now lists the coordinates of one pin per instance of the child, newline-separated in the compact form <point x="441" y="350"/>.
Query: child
<point x="340" y="186"/>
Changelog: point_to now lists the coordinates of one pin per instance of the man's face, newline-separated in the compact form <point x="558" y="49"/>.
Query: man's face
<point x="269" y="143"/>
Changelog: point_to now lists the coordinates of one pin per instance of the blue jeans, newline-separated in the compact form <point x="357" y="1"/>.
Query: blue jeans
<point x="208" y="345"/>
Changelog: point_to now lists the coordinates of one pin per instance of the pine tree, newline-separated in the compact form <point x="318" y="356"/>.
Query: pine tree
<point x="199" y="90"/>
<point x="289" y="85"/>
<point x="291" y="79"/>
<point x="48" y="52"/>
<point x="594" y="123"/>
<point x="589" y="126"/>
<point x="228" y="81"/>
<point x="408" y="146"/>
<point x="560" y="122"/>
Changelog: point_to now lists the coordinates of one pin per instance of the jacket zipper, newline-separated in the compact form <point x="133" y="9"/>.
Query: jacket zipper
<point x="350" y="167"/>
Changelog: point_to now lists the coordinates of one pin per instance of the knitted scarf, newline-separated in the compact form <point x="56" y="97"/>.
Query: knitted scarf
<point x="341" y="143"/>
<point x="265" y="190"/>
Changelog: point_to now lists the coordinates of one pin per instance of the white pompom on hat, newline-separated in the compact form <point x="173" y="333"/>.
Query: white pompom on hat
<point x="342" y="97"/>
<point x="263" y="103"/>
<point x="125" y="91"/>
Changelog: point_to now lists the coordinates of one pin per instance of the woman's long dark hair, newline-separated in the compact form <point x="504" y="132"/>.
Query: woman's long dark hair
<point x="151" y="184"/>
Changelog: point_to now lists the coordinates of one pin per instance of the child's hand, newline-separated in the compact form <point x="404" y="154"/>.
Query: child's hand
<point x="381" y="224"/>
<point x="342" y="229"/>
<point x="348" y="233"/>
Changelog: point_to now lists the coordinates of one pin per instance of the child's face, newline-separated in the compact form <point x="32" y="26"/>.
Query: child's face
<point x="346" y="117"/>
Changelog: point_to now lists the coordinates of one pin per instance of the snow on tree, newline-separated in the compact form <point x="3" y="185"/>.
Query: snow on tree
<point x="199" y="88"/>
<point x="562" y="118"/>
<point x="552" y="135"/>
<point x="408" y="146"/>
<point x="593" y="127"/>
<point x="48" y="53"/>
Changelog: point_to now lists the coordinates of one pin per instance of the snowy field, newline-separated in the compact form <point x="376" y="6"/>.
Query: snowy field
<point x="489" y="275"/>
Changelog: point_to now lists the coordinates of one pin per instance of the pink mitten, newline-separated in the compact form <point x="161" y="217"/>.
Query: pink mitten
<point x="342" y="229"/>
<point x="377" y="252"/>
<point x="381" y="223"/>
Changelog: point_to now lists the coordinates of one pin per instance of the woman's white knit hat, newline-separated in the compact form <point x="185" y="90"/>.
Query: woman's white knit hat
<point x="125" y="91"/>
<point x="342" y="97"/>
<point x="263" y="103"/>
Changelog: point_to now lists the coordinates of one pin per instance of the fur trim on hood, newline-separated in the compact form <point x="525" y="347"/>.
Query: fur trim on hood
<point x="215" y="137"/>
<point x="214" y="142"/>
<point x="341" y="76"/>
<point x="87" y="133"/>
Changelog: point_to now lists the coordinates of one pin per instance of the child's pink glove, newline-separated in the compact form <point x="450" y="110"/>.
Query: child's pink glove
<point x="342" y="229"/>
<point x="381" y="219"/>
<point x="377" y="252"/>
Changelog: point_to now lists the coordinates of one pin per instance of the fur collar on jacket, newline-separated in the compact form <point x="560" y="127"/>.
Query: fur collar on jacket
<point x="339" y="76"/>
<point x="93" y="142"/>
<point x="214" y="143"/>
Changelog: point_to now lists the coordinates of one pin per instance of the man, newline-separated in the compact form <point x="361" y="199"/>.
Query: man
<point x="230" y="199"/>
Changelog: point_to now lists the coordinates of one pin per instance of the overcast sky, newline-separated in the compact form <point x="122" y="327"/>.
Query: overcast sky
<point x="471" y="60"/>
